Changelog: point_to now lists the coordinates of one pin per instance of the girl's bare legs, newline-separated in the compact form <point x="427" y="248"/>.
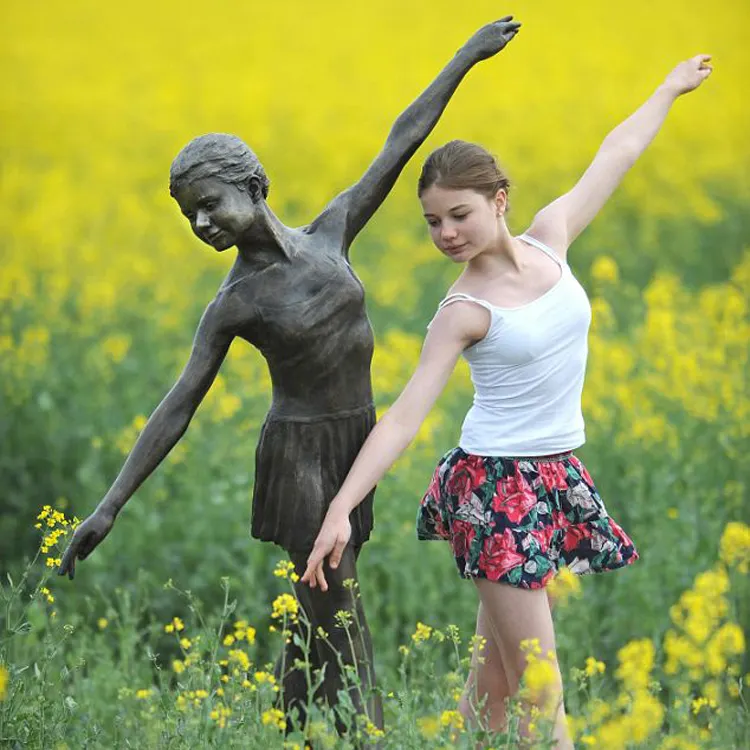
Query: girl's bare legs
<point x="514" y="615"/>
<point x="486" y="685"/>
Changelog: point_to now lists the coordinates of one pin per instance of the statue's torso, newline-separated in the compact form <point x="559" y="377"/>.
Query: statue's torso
<point x="310" y="324"/>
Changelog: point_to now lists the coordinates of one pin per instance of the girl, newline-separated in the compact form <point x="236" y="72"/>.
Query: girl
<point x="514" y="501"/>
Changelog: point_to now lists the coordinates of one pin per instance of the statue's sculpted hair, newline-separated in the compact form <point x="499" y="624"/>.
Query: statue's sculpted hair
<point x="219" y="155"/>
<point x="459" y="165"/>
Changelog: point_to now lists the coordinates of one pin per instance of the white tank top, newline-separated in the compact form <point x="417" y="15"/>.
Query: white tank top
<point x="528" y="372"/>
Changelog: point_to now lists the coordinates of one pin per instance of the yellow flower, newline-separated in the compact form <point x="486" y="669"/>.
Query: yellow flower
<point x="735" y="546"/>
<point x="228" y="640"/>
<point x="564" y="585"/>
<point x="594" y="667"/>
<point x="422" y="633"/>
<point x="240" y="657"/>
<point x="372" y="731"/>
<point x="264" y="677"/>
<point x="285" y="605"/>
<point x="274" y="717"/>
<point x="102" y="623"/>
<point x="429" y="727"/>
<point x="178" y="666"/>
<point x="186" y="643"/>
<point x="605" y="270"/>
<point x="3" y="682"/>
<point x="636" y="662"/>
<point x="452" y="719"/>
<point x="144" y="693"/>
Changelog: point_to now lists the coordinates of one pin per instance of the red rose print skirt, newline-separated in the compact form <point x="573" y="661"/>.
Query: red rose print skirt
<point x="518" y="520"/>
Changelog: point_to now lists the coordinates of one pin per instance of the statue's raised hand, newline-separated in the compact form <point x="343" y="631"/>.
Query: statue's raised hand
<point x="493" y="37"/>
<point x="85" y="539"/>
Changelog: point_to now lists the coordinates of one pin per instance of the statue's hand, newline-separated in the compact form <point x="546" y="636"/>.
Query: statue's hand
<point x="85" y="539"/>
<point x="493" y="37"/>
<point x="689" y="74"/>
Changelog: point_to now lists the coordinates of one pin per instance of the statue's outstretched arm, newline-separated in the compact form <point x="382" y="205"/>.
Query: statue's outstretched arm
<point x="358" y="203"/>
<point x="164" y="428"/>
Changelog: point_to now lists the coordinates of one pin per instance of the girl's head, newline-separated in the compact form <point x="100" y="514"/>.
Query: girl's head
<point x="464" y="195"/>
<point x="218" y="183"/>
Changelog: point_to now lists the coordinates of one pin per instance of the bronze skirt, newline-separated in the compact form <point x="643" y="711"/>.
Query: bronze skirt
<point x="300" y="463"/>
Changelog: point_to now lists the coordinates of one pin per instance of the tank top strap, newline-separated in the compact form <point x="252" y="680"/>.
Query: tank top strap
<point x="461" y="297"/>
<point x="544" y="248"/>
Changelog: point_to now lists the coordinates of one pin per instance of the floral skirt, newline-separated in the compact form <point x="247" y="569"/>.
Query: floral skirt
<point x="518" y="520"/>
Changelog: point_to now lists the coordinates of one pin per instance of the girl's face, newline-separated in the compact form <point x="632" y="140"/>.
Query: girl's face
<point x="219" y="213"/>
<point x="463" y="223"/>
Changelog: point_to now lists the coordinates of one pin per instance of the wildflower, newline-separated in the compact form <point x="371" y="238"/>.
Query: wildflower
<point x="604" y="269"/>
<point x="220" y="714"/>
<point x="372" y="731"/>
<point x="228" y="640"/>
<point x="429" y="727"/>
<point x="422" y="633"/>
<point x="274" y="717"/>
<point x="264" y="677"/>
<point x="285" y="569"/>
<point x="175" y="625"/>
<point x="3" y="682"/>
<point x="46" y="593"/>
<point x="636" y="662"/>
<point x="735" y="546"/>
<point x="102" y="623"/>
<point x="178" y="666"/>
<point x="452" y="719"/>
<point x="594" y="667"/>
<point x="564" y="586"/>
<point x="285" y="605"/>
<point x="240" y="657"/>
<point x="539" y="675"/>
<point x="143" y="694"/>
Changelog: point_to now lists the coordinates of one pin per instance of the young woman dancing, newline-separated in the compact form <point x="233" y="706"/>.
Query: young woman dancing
<point x="514" y="501"/>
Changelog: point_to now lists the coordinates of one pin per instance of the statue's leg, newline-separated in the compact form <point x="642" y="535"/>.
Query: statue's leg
<point x="349" y="647"/>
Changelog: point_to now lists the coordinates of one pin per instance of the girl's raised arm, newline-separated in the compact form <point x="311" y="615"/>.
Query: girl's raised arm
<point x="559" y="223"/>
<point x="359" y="202"/>
<point x="453" y="329"/>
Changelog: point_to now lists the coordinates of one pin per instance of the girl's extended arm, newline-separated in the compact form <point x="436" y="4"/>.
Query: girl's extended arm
<point x="357" y="204"/>
<point x="450" y="333"/>
<point x="559" y="223"/>
<point x="164" y="428"/>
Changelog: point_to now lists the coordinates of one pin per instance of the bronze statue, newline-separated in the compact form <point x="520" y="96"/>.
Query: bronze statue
<point x="292" y="294"/>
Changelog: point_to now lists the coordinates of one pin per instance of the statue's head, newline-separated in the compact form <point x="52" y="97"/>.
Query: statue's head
<point x="219" y="185"/>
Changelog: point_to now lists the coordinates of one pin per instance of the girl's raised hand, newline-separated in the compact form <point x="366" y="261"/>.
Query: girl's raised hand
<point x="689" y="74"/>
<point x="493" y="37"/>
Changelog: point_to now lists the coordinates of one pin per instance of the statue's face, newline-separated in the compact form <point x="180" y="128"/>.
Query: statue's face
<point x="219" y="213"/>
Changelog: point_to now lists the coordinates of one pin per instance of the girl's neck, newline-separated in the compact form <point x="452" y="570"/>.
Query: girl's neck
<point x="503" y="256"/>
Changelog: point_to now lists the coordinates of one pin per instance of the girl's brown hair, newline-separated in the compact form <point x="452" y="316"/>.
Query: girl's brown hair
<point x="459" y="165"/>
